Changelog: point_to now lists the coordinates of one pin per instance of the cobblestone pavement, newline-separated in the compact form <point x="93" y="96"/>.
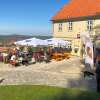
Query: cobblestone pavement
<point x="67" y="73"/>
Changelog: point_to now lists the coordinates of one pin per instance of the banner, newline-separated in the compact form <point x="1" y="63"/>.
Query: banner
<point x="87" y="42"/>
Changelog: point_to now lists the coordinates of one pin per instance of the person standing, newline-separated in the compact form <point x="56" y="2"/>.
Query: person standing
<point x="98" y="71"/>
<point x="88" y="70"/>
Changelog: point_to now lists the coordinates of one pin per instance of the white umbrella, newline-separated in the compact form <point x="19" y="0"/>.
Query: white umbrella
<point x="32" y="42"/>
<point x="36" y="42"/>
<point x="57" y="42"/>
<point x="20" y="42"/>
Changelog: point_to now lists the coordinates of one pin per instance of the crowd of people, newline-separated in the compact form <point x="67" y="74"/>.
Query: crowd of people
<point x="29" y="55"/>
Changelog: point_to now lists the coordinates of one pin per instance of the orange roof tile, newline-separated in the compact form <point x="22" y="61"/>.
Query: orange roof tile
<point x="78" y="8"/>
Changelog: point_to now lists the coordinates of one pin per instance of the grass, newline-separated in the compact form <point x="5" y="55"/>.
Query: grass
<point x="33" y="92"/>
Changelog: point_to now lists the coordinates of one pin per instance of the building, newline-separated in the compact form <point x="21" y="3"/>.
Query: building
<point x="74" y="18"/>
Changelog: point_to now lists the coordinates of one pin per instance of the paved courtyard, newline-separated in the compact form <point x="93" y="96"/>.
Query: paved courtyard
<point x="66" y="73"/>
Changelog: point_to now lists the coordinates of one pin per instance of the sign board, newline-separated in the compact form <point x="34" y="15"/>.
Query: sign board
<point x="88" y="56"/>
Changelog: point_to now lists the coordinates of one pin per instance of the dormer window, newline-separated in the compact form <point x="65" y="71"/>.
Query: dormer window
<point x="60" y="27"/>
<point x="70" y="26"/>
<point x="89" y="25"/>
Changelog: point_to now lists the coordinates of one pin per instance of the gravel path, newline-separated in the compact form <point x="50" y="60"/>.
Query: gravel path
<point x="67" y="73"/>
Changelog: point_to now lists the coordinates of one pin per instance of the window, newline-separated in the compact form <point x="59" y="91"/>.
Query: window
<point x="89" y="25"/>
<point x="78" y="36"/>
<point x="70" y="26"/>
<point x="60" y="27"/>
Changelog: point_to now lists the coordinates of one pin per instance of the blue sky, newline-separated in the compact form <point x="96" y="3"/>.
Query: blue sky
<point x="28" y="16"/>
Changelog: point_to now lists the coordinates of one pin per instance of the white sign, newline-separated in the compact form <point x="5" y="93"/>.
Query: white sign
<point x="85" y="37"/>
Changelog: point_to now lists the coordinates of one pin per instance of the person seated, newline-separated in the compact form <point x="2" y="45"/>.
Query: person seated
<point x="5" y="57"/>
<point x="38" y="56"/>
<point x="41" y="55"/>
<point x="32" y="61"/>
<point x="20" y="59"/>
<point x="25" y="60"/>
<point x="13" y="57"/>
<point x="9" y="56"/>
<point x="35" y="56"/>
<point x="13" y="60"/>
<point x="46" y="57"/>
<point x="1" y="57"/>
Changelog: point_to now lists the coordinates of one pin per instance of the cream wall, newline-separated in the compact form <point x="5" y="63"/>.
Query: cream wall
<point x="78" y="27"/>
<point x="97" y="22"/>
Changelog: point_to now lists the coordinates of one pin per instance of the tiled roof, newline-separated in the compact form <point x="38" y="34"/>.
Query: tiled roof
<point x="78" y="8"/>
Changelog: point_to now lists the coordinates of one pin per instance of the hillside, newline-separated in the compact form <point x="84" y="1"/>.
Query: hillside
<point x="7" y="39"/>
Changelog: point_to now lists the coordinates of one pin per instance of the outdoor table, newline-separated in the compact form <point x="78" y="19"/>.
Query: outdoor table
<point x="57" y="56"/>
<point x="67" y="55"/>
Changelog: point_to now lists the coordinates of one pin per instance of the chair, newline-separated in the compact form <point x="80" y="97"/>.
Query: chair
<point x="57" y="56"/>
